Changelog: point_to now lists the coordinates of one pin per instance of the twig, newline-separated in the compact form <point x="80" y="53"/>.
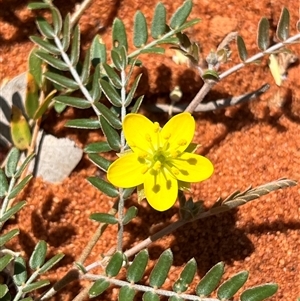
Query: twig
<point x="79" y="12"/>
<point x="212" y="105"/>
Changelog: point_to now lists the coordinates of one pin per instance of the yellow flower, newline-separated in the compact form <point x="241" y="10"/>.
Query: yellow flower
<point x="160" y="160"/>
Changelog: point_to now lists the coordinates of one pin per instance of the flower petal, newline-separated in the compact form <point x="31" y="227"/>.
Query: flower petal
<point x="127" y="171"/>
<point x="161" y="189"/>
<point x="193" y="167"/>
<point x="180" y="128"/>
<point x="139" y="131"/>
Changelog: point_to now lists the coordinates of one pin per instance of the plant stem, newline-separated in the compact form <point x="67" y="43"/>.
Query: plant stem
<point x="79" y="12"/>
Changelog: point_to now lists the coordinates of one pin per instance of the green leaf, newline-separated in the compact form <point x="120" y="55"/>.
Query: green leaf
<point x="104" y="186"/>
<point x="119" y="34"/>
<point x="75" y="102"/>
<point x="175" y="298"/>
<point x="123" y="57"/>
<point x="110" y="116"/>
<point x="126" y="293"/>
<point x="32" y="96"/>
<point x="35" y="67"/>
<point x="243" y="54"/>
<point x="211" y="280"/>
<point x="61" y="80"/>
<point x="83" y="123"/>
<point x="111" y="93"/>
<point x="116" y="59"/>
<point x="45" y="44"/>
<point x="112" y="136"/>
<point x="99" y="161"/>
<point x="24" y="165"/>
<point x="263" y="39"/>
<point x="38" y="5"/>
<point x="20" y="273"/>
<point x="113" y="77"/>
<point x="12" y="160"/>
<point x="75" y="48"/>
<point x="161" y="269"/>
<point x="13" y="210"/>
<point x="97" y="147"/>
<point x="129" y="215"/>
<point x="3" y="184"/>
<point x="140" y="31"/>
<point x="155" y="50"/>
<point x="56" y="20"/>
<point x="115" y="264"/>
<point x="98" y="51"/>
<point x="27" y="299"/>
<point x="66" y="37"/>
<point x="45" y="28"/>
<point x="5" y="260"/>
<point x="228" y="289"/>
<point x="19" y="187"/>
<point x="44" y="105"/>
<point x="181" y="14"/>
<point x="137" y="269"/>
<point x="4" y="293"/>
<point x="186" y="277"/>
<point x="158" y="26"/>
<point x="96" y="91"/>
<point x="283" y="27"/>
<point x="85" y="72"/>
<point x="38" y="255"/>
<point x="150" y="296"/>
<point x="137" y="104"/>
<point x="260" y="292"/>
<point x="132" y="90"/>
<point x="105" y="218"/>
<point x="36" y="285"/>
<point x="51" y="263"/>
<point x="52" y="61"/>
<point x="98" y="288"/>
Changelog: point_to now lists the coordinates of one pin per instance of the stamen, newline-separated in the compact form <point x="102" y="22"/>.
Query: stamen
<point x="167" y="136"/>
<point x="182" y="142"/>
<point x="156" y="127"/>
<point x="157" y="165"/>
<point x="144" y="170"/>
<point x="148" y="137"/>
<point x="175" y="171"/>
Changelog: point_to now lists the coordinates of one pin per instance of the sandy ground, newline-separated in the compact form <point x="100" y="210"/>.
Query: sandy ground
<point x="252" y="144"/>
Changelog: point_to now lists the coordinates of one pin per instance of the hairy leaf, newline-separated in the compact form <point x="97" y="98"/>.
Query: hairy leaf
<point x="12" y="160"/>
<point x="243" y="54"/>
<point x="36" y="285"/>
<point x="150" y="296"/>
<point x="95" y="92"/>
<point x="24" y="165"/>
<point x="3" y="184"/>
<point x="38" y="255"/>
<point x="50" y="263"/>
<point x="52" y="61"/>
<point x="75" y="48"/>
<point x="86" y="68"/>
<point x="61" y="80"/>
<point x="119" y="34"/>
<point x="45" y="28"/>
<point x="32" y="96"/>
<point x="66" y="37"/>
<point x="211" y="280"/>
<point x="140" y="31"/>
<point x="104" y="186"/>
<point x="97" y="147"/>
<point x="20" y="273"/>
<point x="8" y="236"/>
<point x="111" y="93"/>
<point x="259" y="293"/>
<point x="283" y="27"/>
<point x="13" y="210"/>
<point x="45" y="44"/>
<point x="158" y="27"/>
<point x="186" y="277"/>
<point x="229" y="288"/>
<point x="98" y="51"/>
<point x="263" y="39"/>
<point x="112" y="136"/>
<point x="99" y="161"/>
<point x="75" y="102"/>
<point x="35" y="66"/>
<point x="137" y="104"/>
<point x="114" y="78"/>
<point x="98" y="288"/>
<point x="126" y="293"/>
<point x="130" y="214"/>
<point x="115" y="264"/>
<point x="44" y="105"/>
<point x="105" y="218"/>
<point x="137" y="268"/>
<point x="38" y="5"/>
<point x="132" y="90"/>
<point x="83" y="123"/>
<point x="161" y="269"/>
<point x="5" y="260"/>
<point x="181" y="14"/>
<point x="110" y="116"/>
<point x="19" y="187"/>
<point x="57" y="20"/>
